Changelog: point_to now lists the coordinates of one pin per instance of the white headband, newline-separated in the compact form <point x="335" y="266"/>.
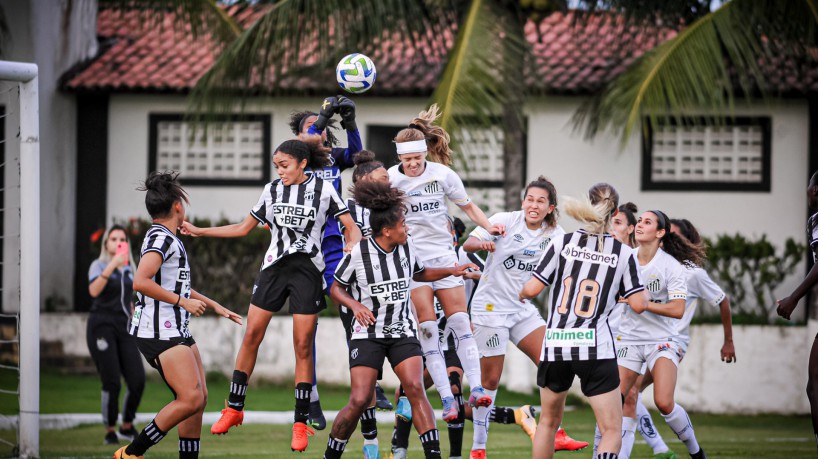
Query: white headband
<point x="415" y="146"/>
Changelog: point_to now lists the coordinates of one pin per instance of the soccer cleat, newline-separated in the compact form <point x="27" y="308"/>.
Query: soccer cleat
<point x="128" y="434"/>
<point x="478" y="454"/>
<point x="478" y="397"/>
<point x="230" y="418"/>
<point x="699" y="455"/>
<point x="398" y="453"/>
<point x="525" y="417"/>
<point x="121" y="454"/>
<point x="110" y="439"/>
<point x="665" y="455"/>
<point x="450" y="410"/>
<point x="381" y="402"/>
<point x="301" y="434"/>
<point x="563" y="442"/>
<point x="371" y="452"/>
<point x="317" y="419"/>
<point x="404" y="410"/>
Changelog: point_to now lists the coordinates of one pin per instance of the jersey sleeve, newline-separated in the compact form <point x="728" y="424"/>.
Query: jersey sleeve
<point x="354" y="145"/>
<point x="259" y="211"/>
<point x="676" y="281"/>
<point x="336" y="204"/>
<point x="631" y="281"/>
<point x="708" y="290"/>
<point x="480" y="233"/>
<point x="547" y="267"/>
<point x="96" y="269"/>
<point x="160" y="243"/>
<point x="345" y="272"/>
<point x="454" y="189"/>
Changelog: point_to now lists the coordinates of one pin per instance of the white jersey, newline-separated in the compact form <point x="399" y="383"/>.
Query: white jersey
<point x="586" y="283"/>
<point x="665" y="280"/>
<point x="509" y="267"/>
<point x="153" y="318"/>
<point x="426" y="206"/>
<point x="700" y="287"/>
<point x="296" y="216"/>
<point x="380" y="281"/>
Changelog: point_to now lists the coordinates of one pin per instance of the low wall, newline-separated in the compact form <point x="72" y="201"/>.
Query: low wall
<point x="769" y="377"/>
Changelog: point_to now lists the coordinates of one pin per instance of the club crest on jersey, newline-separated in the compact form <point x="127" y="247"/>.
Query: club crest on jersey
<point x="309" y="195"/>
<point x="397" y="328"/>
<point x="354" y="353"/>
<point x="544" y="243"/>
<point x="432" y="187"/>
<point x="293" y="215"/>
<point x="391" y="291"/>
<point x="654" y="285"/>
<point x="583" y="254"/>
<point x="404" y="262"/>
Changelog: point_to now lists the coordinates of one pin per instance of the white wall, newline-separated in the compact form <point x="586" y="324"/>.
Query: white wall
<point x="55" y="35"/>
<point x="574" y="164"/>
<point x="770" y="375"/>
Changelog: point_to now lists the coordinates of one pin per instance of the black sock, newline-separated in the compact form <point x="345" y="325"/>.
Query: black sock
<point x="401" y="393"/>
<point x="369" y="425"/>
<point x="188" y="448"/>
<point x="502" y="415"/>
<point x="238" y="390"/>
<point x="606" y="456"/>
<point x="431" y="444"/>
<point x="149" y="436"/>
<point x="335" y="448"/>
<point x="400" y="438"/>
<point x="302" y="401"/>
<point x="456" y="428"/>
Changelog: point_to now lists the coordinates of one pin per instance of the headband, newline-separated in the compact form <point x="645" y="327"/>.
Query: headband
<point x="662" y="220"/>
<point x="414" y="146"/>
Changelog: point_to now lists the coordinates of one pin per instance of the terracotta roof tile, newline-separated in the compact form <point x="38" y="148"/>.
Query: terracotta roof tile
<point x="568" y="58"/>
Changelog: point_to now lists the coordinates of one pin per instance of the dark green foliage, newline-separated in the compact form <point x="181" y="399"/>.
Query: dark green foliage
<point x="749" y="271"/>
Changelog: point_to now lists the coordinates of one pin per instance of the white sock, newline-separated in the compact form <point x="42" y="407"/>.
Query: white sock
<point x="648" y="430"/>
<point x="314" y="394"/>
<point x="597" y="439"/>
<point x="371" y="442"/>
<point x="679" y="423"/>
<point x="628" y="432"/>
<point x="435" y="363"/>
<point x="480" y="419"/>
<point x="466" y="348"/>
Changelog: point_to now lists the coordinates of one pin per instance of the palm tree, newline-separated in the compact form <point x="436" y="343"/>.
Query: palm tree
<point x="717" y="53"/>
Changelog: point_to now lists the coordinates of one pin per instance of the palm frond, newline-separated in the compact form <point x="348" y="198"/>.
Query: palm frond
<point x="198" y="16"/>
<point x="701" y="69"/>
<point x="484" y="73"/>
<point x="295" y="37"/>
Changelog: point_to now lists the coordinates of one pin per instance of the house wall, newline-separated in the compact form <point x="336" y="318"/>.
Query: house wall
<point x="55" y="35"/>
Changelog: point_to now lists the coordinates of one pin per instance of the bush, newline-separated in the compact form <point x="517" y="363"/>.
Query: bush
<point x="749" y="271"/>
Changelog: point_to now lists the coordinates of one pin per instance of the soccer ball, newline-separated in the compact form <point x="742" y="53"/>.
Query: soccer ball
<point x="355" y="73"/>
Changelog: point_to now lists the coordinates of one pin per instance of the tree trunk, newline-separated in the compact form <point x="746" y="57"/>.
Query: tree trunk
<point x="513" y="155"/>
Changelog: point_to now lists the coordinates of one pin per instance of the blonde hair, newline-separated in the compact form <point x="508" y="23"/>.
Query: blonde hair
<point x="596" y="210"/>
<point x="437" y="139"/>
<point x="103" y="252"/>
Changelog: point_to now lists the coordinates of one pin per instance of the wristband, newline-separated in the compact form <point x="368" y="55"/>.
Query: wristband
<point x="178" y="300"/>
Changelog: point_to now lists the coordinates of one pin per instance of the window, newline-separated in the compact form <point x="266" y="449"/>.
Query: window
<point x="705" y="155"/>
<point x="231" y="150"/>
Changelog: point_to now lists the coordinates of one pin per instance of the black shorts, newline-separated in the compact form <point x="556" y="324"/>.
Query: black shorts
<point x="450" y="355"/>
<point x="596" y="377"/>
<point x="294" y="277"/>
<point x="371" y="352"/>
<point x="151" y="348"/>
<point x="346" y="320"/>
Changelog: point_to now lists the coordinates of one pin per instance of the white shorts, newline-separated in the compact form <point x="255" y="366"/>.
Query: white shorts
<point x="638" y="357"/>
<point x="446" y="261"/>
<point x="682" y="349"/>
<point x="493" y="331"/>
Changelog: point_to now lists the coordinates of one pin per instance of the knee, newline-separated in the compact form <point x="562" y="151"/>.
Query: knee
<point x="459" y="322"/>
<point x="630" y="398"/>
<point x="428" y="330"/>
<point x="549" y="423"/>
<point x="413" y="388"/>
<point x="193" y="401"/>
<point x="303" y="349"/>
<point x="664" y="404"/>
<point x="253" y="337"/>
<point x="359" y="400"/>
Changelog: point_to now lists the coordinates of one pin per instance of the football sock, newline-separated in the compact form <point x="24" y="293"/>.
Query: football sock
<point x="435" y="363"/>
<point x="480" y="418"/>
<point x="647" y="429"/>
<point x="597" y="439"/>
<point x="149" y="436"/>
<point x="400" y="437"/>
<point x="188" y="448"/>
<point x="502" y="415"/>
<point x="302" y="401"/>
<point x="679" y="423"/>
<point x="238" y="390"/>
<point x="335" y="448"/>
<point x="460" y="326"/>
<point x="456" y="426"/>
<point x="369" y="425"/>
<point x="628" y="433"/>
<point x="431" y="444"/>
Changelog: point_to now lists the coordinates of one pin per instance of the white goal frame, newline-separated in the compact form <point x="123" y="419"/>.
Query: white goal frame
<point x="25" y="74"/>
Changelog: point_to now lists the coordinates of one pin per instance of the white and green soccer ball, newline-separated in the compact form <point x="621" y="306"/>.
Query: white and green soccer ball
<point x="355" y="73"/>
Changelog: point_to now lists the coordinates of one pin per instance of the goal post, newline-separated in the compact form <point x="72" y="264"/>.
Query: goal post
<point x="25" y="74"/>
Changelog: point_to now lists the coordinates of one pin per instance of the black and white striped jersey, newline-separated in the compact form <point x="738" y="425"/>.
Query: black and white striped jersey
<point x="812" y="236"/>
<point x="586" y="283"/>
<point x="360" y="214"/>
<point x="296" y="216"/>
<point x="380" y="281"/>
<point x="153" y="318"/>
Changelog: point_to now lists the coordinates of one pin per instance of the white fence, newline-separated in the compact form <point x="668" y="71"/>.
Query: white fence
<point x="769" y="377"/>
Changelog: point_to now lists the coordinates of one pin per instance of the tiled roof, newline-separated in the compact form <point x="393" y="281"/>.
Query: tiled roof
<point x="569" y="57"/>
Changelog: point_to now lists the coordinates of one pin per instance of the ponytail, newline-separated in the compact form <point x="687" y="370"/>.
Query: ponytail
<point x="677" y="246"/>
<point x="596" y="210"/>
<point x="437" y="139"/>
